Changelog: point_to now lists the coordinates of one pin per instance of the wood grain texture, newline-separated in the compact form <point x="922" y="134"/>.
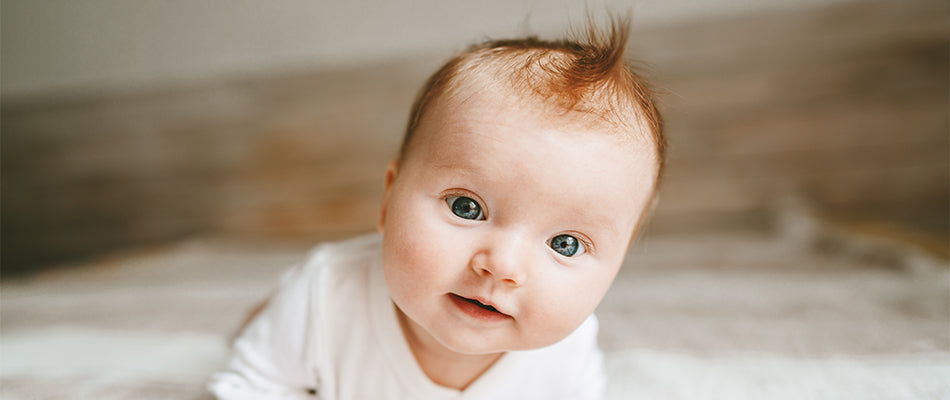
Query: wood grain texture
<point x="845" y="107"/>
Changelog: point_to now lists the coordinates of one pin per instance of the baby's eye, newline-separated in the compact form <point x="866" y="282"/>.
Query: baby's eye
<point x="567" y="245"/>
<point x="465" y="207"/>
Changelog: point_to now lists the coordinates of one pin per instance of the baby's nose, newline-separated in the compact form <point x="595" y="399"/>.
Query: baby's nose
<point x="501" y="260"/>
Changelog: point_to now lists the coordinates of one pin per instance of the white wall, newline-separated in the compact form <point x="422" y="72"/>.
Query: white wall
<point x="55" y="47"/>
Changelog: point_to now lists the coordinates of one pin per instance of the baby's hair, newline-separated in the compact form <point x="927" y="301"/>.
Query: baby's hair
<point x="588" y="75"/>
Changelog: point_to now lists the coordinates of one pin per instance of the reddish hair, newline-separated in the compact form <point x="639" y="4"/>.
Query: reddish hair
<point x="589" y="75"/>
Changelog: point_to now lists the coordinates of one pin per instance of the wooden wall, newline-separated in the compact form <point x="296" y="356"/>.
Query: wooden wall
<point x="845" y="107"/>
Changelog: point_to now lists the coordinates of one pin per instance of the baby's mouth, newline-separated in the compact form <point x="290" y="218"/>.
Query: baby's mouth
<point x="487" y="311"/>
<point x="478" y="303"/>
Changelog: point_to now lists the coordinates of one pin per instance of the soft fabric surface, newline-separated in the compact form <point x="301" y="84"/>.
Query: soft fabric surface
<point x="726" y="316"/>
<point x="64" y="362"/>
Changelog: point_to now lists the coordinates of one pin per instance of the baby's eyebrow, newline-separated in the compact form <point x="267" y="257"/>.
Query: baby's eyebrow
<point x="451" y="164"/>
<point x="603" y="222"/>
<point x="456" y="164"/>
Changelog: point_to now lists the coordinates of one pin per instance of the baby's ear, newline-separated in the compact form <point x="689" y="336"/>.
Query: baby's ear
<point x="391" y="170"/>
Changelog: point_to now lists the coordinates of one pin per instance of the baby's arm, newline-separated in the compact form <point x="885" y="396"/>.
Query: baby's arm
<point x="270" y="358"/>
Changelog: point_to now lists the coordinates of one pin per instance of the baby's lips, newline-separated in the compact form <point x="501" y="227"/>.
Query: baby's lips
<point x="486" y="302"/>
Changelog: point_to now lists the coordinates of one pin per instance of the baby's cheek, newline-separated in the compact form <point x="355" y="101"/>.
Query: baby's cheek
<point x="420" y="253"/>
<point x="560" y="310"/>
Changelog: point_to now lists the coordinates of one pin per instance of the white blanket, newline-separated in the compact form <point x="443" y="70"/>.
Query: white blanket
<point x="711" y="317"/>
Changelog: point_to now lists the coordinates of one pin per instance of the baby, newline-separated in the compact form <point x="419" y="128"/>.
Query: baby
<point x="527" y="168"/>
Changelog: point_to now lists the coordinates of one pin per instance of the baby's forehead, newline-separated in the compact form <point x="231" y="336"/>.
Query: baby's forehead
<point x="512" y="121"/>
<point x="501" y="105"/>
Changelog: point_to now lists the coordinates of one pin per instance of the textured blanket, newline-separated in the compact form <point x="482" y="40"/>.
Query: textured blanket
<point x="730" y="316"/>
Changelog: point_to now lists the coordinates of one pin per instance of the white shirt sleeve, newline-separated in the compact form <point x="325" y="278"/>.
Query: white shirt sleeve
<point x="269" y="360"/>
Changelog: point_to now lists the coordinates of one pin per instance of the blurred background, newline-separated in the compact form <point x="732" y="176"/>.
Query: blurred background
<point x="134" y="124"/>
<point x="163" y="161"/>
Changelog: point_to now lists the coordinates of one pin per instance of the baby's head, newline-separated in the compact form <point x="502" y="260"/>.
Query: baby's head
<point x="527" y="169"/>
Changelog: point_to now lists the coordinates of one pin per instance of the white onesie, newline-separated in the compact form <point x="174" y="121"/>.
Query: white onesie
<point x="331" y="333"/>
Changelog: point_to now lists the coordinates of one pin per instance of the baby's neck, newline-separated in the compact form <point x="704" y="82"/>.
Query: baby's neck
<point x="444" y="367"/>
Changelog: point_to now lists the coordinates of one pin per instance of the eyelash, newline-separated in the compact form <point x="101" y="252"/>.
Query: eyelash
<point x="456" y="193"/>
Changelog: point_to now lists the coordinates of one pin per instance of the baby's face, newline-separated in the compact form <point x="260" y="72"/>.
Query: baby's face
<point x="504" y="228"/>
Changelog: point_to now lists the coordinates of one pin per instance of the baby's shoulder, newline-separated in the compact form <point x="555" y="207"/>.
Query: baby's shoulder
<point x="344" y="257"/>
<point x="334" y="271"/>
